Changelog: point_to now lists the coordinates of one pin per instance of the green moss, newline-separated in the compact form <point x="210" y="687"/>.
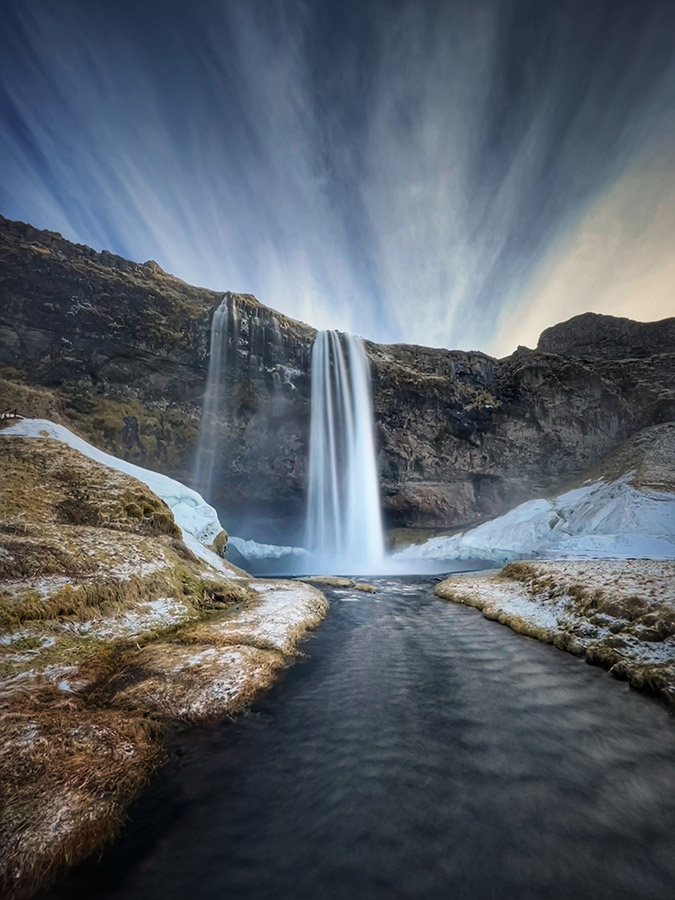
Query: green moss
<point x="30" y="642"/>
<point x="166" y="437"/>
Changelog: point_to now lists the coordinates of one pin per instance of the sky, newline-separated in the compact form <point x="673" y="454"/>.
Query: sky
<point x="457" y="174"/>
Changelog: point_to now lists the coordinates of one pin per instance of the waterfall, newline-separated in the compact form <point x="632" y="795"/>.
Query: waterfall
<point x="344" y="521"/>
<point x="213" y="406"/>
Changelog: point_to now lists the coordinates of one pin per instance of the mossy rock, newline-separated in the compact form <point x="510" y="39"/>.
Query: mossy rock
<point x="219" y="545"/>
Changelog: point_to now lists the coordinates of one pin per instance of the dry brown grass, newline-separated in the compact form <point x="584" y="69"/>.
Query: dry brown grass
<point x="193" y="682"/>
<point x="86" y="599"/>
<point x="519" y="571"/>
<point x="641" y="615"/>
<point x="341" y="581"/>
<point x="46" y="481"/>
<point x="84" y="552"/>
<point x="67" y="773"/>
<point x="33" y="556"/>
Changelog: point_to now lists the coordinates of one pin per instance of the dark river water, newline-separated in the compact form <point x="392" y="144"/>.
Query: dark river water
<point x="417" y="751"/>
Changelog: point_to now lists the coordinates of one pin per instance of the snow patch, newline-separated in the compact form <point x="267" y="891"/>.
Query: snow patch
<point x="284" y="610"/>
<point x="254" y="550"/>
<point x="149" y="615"/>
<point x="602" y="519"/>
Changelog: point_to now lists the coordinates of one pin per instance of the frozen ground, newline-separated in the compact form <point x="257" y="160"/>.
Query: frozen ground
<point x="618" y="613"/>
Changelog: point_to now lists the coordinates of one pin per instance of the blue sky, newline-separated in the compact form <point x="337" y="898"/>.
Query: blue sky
<point x="454" y="174"/>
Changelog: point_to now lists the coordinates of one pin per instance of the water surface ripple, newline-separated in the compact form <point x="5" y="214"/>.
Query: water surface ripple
<point x="418" y="751"/>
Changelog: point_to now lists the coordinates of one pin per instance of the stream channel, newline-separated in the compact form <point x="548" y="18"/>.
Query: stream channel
<point x="415" y="751"/>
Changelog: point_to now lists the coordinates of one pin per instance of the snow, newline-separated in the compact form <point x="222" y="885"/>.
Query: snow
<point x="44" y="586"/>
<point x="602" y="519"/>
<point x="197" y="520"/>
<point x="147" y="616"/>
<point x="198" y="658"/>
<point x="254" y="550"/>
<point x="285" y="609"/>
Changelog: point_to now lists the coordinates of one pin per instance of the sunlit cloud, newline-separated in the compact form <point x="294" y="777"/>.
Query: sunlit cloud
<point x="619" y="259"/>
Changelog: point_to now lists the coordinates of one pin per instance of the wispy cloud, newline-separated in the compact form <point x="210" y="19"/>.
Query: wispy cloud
<point x="619" y="259"/>
<point x="494" y="128"/>
<point x="409" y="171"/>
<point x="202" y="160"/>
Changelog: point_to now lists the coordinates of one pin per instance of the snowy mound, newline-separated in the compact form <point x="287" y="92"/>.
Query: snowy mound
<point x="603" y="519"/>
<point x="254" y="550"/>
<point x="196" y="519"/>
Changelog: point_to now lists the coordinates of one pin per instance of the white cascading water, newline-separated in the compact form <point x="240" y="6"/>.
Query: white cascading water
<point x="213" y="406"/>
<point x="344" y="520"/>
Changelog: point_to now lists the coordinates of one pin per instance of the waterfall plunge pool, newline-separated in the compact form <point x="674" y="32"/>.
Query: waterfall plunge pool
<point x="417" y="751"/>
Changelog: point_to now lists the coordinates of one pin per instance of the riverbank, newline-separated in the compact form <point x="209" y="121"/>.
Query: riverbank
<point x="619" y="614"/>
<point x="416" y="752"/>
<point x="119" y="621"/>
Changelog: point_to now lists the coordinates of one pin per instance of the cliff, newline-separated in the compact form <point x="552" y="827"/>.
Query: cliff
<point x="119" y="352"/>
<point x="622" y="508"/>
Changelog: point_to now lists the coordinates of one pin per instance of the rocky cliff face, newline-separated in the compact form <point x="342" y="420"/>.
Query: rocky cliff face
<point x="593" y="336"/>
<point x="119" y="351"/>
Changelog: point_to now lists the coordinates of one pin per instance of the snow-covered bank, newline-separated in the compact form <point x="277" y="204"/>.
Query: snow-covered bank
<point x="599" y="520"/>
<point x="197" y="520"/>
<point x="617" y="613"/>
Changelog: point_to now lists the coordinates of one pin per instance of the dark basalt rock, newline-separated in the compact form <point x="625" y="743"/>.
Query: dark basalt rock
<point x="593" y="336"/>
<point x="119" y="351"/>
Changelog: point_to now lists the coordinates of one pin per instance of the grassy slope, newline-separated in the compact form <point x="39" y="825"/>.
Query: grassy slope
<point x="109" y="628"/>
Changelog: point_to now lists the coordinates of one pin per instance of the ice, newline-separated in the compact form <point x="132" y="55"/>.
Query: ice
<point x="602" y="519"/>
<point x="255" y="550"/>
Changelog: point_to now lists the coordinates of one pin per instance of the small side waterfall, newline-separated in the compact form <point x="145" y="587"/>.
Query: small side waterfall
<point x="344" y="520"/>
<point x="213" y="407"/>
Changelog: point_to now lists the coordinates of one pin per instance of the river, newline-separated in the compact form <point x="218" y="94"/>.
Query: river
<point x="417" y="751"/>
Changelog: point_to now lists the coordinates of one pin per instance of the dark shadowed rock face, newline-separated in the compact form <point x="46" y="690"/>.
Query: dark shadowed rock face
<point x="593" y="336"/>
<point x="119" y="352"/>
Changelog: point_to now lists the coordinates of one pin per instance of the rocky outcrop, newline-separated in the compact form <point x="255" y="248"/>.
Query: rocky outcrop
<point x="119" y="352"/>
<point x="594" y="336"/>
<point x="623" y="507"/>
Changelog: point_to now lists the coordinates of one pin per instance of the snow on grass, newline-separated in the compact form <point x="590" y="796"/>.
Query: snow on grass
<point x="183" y="683"/>
<point x="45" y="586"/>
<point x="490" y="592"/>
<point x="197" y="520"/>
<point x="602" y="519"/>
<point x="618" y="613"/>
<point x="284" y="612"/>
<point x="51" y="674"/>
<point x="148" y="616"/>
